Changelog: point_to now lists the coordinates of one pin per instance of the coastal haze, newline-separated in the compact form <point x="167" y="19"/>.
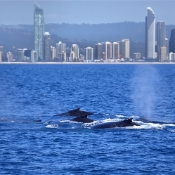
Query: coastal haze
<point x="117" y="25"/>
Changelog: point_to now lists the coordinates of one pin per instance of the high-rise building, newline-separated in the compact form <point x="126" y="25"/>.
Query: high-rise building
<point x="150" y="35"/>
<point x="171" y="56"/>
<point x="1" y="56"/>
<point x="172" y="41"/>
<point x="1" y="53"/>
<point x="20" y="54"/>
<point x="53" y="52"/>
<point x="161" y="34"/>
<point x="9" y="56"/>
<point x="33" y="56"/>
<point x="163" y="54"/>
<point x="98" y="51"/>
<point x="38" y="31"/>
<point x="108" y="50"/>
<point x="46" y="47"/>
<point x="60" y="48"/>
<point x="115" y="50"/>
<point x="126" y="48"/>
<point x="74" y="53"/>
<point x="89" y="54"/>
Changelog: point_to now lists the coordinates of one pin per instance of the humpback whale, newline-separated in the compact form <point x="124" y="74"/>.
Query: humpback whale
<point x="83" y="119"/>
<point x="75" y="112"/>
<point x="123" y="123"/>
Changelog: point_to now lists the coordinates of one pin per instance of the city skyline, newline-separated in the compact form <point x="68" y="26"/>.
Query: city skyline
<point x="87" y="11"/>
<point x="155" y="48"/>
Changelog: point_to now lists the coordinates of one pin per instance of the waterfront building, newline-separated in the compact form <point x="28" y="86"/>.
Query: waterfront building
<point x="53" y="52"/>
<point x="108" y="50"/>
<point x="171" y="56"/>
<point x="89" y="54"/>
<point x="167" y="46"/>
<point x="161" y="35"/>
<point x="62" y="56"/>
<point x="137" y="56"/>
<point x="9" y="56"/>
<point x="27" y="53"/>
<point x="33" y="56"/>
<point x="163" y="54"/>
<point x="20" y="55"/>
<point x="172" y="41"/>
<point x="125" y="48"/>
<point x="1" y="53"/>
<point x="98" y="51"/>
<point x="115" y="50"/>
<point x="60" y="47"/>
<point x="74" y="53"/>
<point x="150" y="35"/>
<point x="38" y="31"/>
<point x="46" y="47"/>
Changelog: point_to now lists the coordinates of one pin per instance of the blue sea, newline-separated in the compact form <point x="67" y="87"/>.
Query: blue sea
<point x="33" y="141"/>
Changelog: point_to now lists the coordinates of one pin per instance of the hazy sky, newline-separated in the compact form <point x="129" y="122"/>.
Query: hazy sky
<point x="86" y="11"/>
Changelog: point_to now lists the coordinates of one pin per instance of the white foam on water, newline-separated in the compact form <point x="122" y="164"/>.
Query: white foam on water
<point x="52" y="126"/>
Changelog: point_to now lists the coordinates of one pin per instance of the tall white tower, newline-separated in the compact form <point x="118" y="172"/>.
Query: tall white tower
<point x="89" y="54"/>
<point x="74" y="54"/>
<point x="108" y="50"/>
<point x="150" y="35"/>
<point x="126" y="48"/>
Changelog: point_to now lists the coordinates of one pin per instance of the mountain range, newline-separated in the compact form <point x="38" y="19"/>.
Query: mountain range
<point x="13" y="37"/>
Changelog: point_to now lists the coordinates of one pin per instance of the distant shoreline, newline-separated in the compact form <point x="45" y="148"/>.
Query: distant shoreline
<point x="65" y="63"/>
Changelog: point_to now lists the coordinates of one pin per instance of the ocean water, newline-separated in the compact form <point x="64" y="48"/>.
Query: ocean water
<point x="35" y="141"/>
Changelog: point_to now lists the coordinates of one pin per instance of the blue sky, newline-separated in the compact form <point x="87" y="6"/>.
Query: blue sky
<point x="86" y="11"/>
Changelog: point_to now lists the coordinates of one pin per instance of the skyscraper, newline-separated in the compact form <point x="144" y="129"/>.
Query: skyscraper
<point x="108" y="50"/>
<point x="1" y="53"/>
<point x="163" y="54"/>
<point x="46" y="47"/>
<point x="115" y="50"/>
<point x="98" y="51"/>
<point x="150" y="35"/>
<point x="38" y="31"/>
<point x="89" y="54"/>
<point x="74" y="54"/>
<point x="1" y="56"/>
<point x="53" y="52"/>
<point x="161" y="34"/>
<point x="61" y="51"/>
<point x="126" y="48"/>
<point x="172" y="41"/>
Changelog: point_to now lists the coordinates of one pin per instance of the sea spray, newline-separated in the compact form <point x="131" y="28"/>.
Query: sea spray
<point x="144" y="89"/>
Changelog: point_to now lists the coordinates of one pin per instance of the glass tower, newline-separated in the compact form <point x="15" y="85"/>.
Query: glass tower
<point x="38" y="31"/>
<point x="161" y="35"/>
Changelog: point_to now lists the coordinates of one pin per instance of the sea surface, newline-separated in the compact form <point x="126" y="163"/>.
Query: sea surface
<point x="33" y="141"/>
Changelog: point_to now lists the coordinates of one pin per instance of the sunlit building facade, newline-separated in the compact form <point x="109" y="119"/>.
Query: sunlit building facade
<point x="108" y="50"/>
<point x="150" y="35"/>
<point x="125" y="48"/>
<point x="89" y="54"/>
